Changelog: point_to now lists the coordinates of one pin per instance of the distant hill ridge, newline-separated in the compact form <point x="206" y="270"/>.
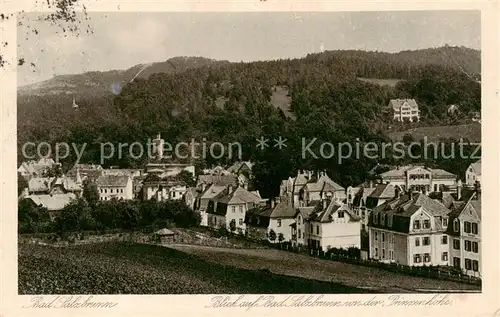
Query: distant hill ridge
<point x="461" y="58"/>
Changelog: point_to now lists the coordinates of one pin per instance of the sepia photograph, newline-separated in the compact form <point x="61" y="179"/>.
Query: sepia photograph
<point x="220" y="153"/>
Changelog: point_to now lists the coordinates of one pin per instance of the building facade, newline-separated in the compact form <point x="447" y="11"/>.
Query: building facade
<point x="405" y="110"/>
<point x="115" y="187"/>
<point x="419" y="178"/>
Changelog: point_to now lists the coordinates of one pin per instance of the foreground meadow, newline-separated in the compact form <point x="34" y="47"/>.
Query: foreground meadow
<point x="130" y="268"/>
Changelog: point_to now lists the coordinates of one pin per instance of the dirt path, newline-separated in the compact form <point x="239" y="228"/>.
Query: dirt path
<point x="288" y="263"/>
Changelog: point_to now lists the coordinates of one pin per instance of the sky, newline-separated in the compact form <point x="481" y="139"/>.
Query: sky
<point x="122" y="40"/>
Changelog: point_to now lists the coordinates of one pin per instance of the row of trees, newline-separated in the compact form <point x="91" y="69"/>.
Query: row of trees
<point x="79" y="216"/>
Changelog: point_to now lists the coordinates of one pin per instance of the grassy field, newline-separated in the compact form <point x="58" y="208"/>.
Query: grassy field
<point x="129" y="268"/>
<point x="381" y="82"/>
<point x="472" y="132"/>
<point x="281" y="100"/>
<point x="292" y="264"/>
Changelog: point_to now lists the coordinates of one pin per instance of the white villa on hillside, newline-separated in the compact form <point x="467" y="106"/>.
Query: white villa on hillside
<point x="473" y="174"/>
<point x="420" y="178"/>
<point x="405" y="109"/>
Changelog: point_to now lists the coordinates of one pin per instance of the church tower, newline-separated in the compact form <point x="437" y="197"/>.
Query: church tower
<point x="158" y="145"/>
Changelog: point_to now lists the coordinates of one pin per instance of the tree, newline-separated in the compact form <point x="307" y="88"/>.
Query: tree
<point x="74" y="217"/>
<point x="90" y="193"/>
<point x="281" y="238"/>
<point x="187" y="178"/>
<point x="32" y="218"/>
<point x="232" y="225"/>
<point x="272" y="235"/>
<point x="22" y="184"/>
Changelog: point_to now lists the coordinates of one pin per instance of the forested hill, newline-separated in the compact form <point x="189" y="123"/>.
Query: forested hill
<point x="110" y="82"/>
<point x="228" y="102"/>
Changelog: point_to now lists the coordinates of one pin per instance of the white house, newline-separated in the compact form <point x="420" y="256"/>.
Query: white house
<point x="405" y="109"/>
<point x="333" y="226"/>
<point x="473" y="174"/>
<point x="115" y="187"/>
<point x="410" y="230"/>
<point x="464" y="229"/>
<point x="419" y="178"/>
<point x="282" y="216"/>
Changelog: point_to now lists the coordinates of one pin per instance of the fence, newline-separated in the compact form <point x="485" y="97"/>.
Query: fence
<point x="436" y="272"/>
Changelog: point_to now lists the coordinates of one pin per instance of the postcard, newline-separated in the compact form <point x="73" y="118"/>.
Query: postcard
<point x="249" y="157"/>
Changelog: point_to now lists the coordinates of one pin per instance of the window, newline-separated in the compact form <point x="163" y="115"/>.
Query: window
<point x="467" y="227"/>
<point x="444" y="256"/>
<point x="468" y="264"/>
<point x="427" y="257"/>
<point x="391" y="255"/>
<point x="475" y="266"/>
<point x="383" y="237"/>
<point x="416" y="224"/>
<point x="317" y="229"/>
<point x="426" y="175"/>
<point x="382" y="219"/>
<point x="311" y="228"/>
<point x="241" y="221"/>
<point x="392" y="238"/>
<point x="376" y="252"/>
<point x="456" y="244"/>
<point x="435" y="187"/>
<point x="468" y="245"/>
<point x="426" y="241"/>
<point x="375" y="219"/>
<point x="111" y="190"/>
<point x="363" y="213"/>
<point x="300" y="234"/>
<point x="455" y="225"/>
<point x="102" y="191"/>
<point x="376" y="236"/>
<point x="417" y="241"/>
<point x="233" y="209"/>
<point x="475" y="247"/>
<point x="456" y="262"/>
<point x="445" y="222"/>
<point x="383" y="253"/>
<point x="300" y="220"/>
<point x="474" y="228"/>
<point x="121" y="190"/>
<point x="426" y="224"/>
<point x="279" y="222"/>
<point x="341" y="214"/>
<point x="389" y="221"/>
<point x="105" y="191"/>
<point x="444" y="239"/>
<point x="417" y="258"/>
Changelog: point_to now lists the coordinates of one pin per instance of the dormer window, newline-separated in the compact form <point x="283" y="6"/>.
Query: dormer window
<point x="445" y="222"/>
<point x="455" y="225"/>
<point x="416" y="224"/>
<point x="341" y="214"/>
<point x="426" y="224"/>
<point x="389" y="221"/>
<point x="382" y="219"/>
<point x="375" y="218"/>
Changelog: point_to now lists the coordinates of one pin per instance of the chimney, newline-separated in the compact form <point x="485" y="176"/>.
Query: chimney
<point x="272" y="203"/>
<point x="371" y="183"/>
<point x="229" y="189"/>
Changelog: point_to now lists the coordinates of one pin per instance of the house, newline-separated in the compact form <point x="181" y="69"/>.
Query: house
<point x="282" y="216"/>
<point x="205" y="181"/>
<point x="90" y="172"/>
<point x="53" y="202"/>
<point x="168" y="188"/>
<point x="410" y="230"/>
<point x="239" y="168"/>
<point x="298" y="228"/>
<point x="122" y="171"/>
<point x="473" y="174"/>
<point x="169" y="169"/>
<point x="53" y="185"/>
<point x="257" y="222"/>
<point x="191" y="196"/>
<point x="464" y="229"/>
<point x="334" y="225"/>
<point x="291" y="188"/>
<point x="115" y="187"/>
<point x="322" y="188"/>
<point x="419" y="178"/>
<point x="203" y="200"/>
<point x="405" y="110"/>
<point x="217" y="170"/>
<point x="37" y="168"/>
<point x="229" y="208"/>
